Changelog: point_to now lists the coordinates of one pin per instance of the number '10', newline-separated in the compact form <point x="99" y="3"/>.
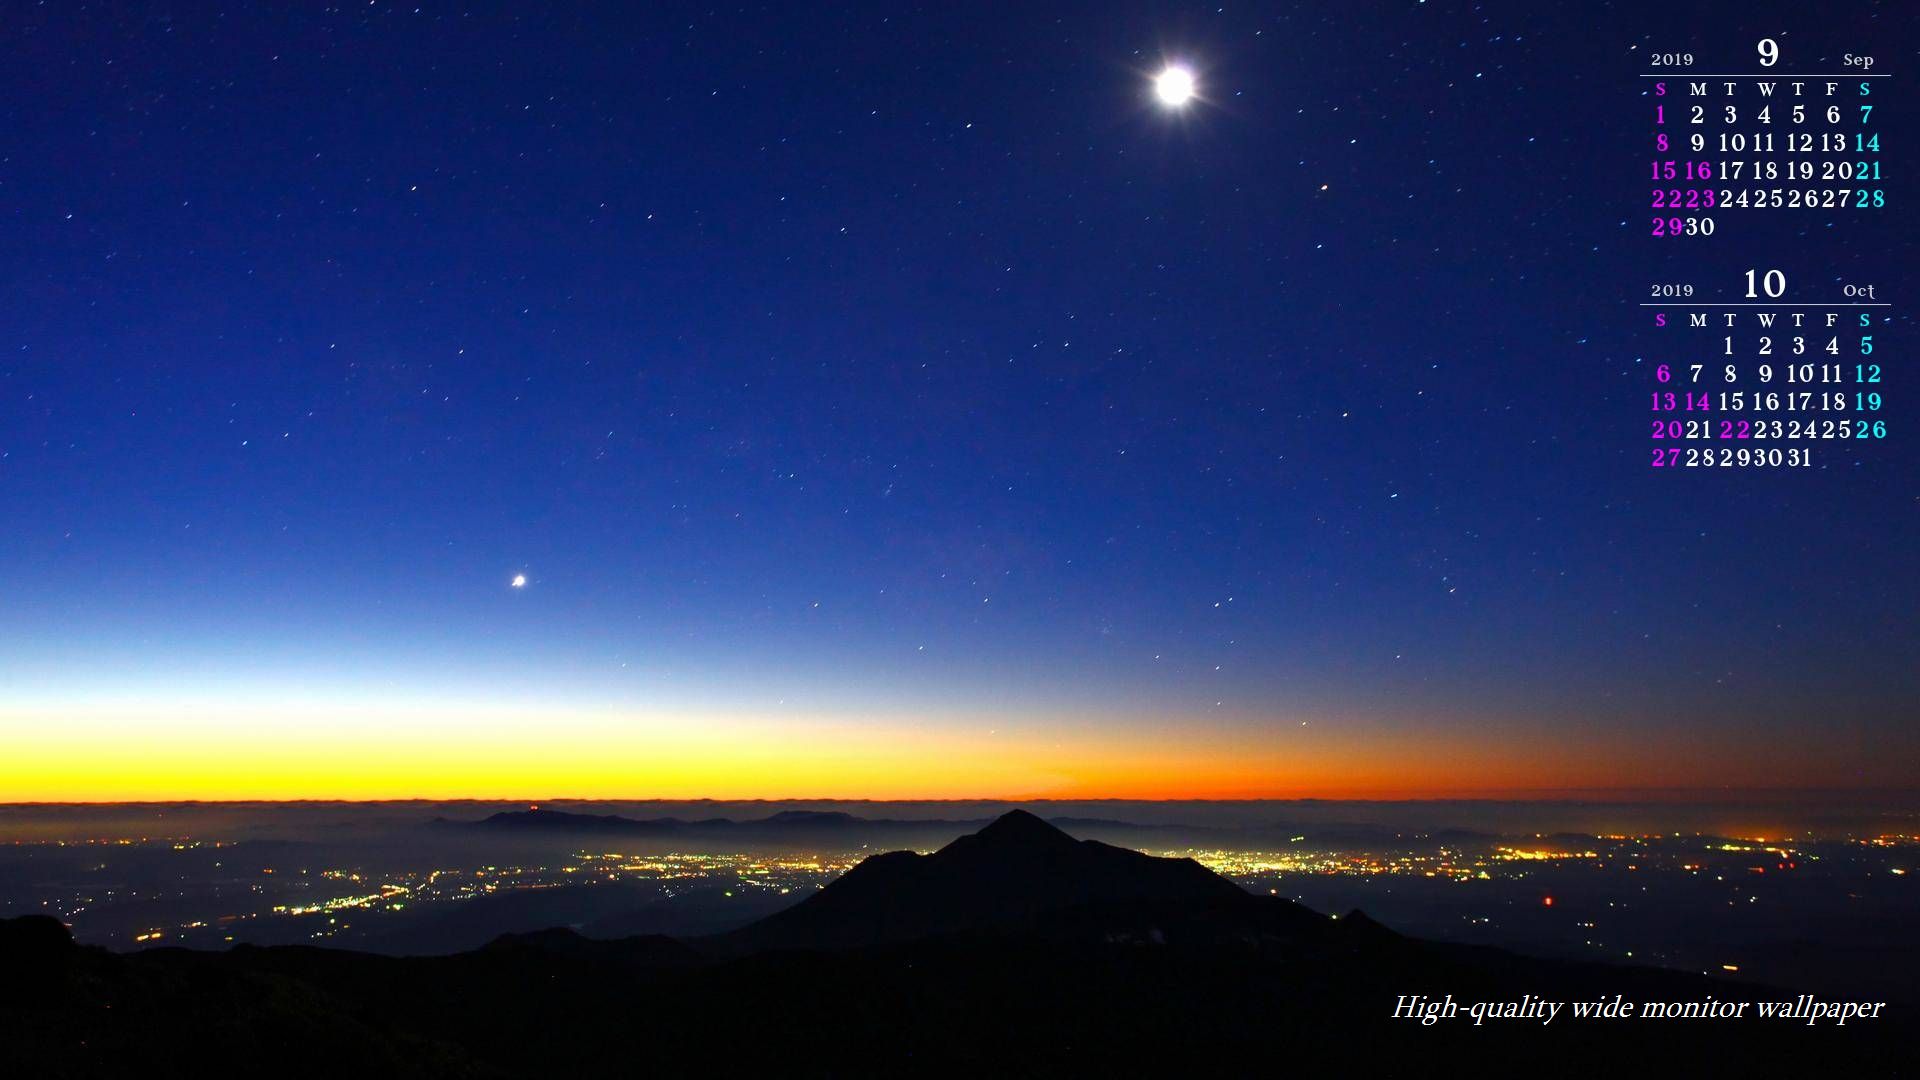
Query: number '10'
<point x="1773" y="282"/>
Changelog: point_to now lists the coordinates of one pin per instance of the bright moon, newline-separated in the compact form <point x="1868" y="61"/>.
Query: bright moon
<point x="519" y="581"/>
<point x="1175" y="86"/>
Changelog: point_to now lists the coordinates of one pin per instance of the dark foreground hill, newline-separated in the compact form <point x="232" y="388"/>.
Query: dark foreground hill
<point x="1017" y="951"/>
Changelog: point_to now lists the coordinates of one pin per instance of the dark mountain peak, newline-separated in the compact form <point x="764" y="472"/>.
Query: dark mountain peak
<point x="1020" y="829"/>
<point x="1357" y="923"/>
<point x="554" y="939"/>
<point x="1005" y="878"/>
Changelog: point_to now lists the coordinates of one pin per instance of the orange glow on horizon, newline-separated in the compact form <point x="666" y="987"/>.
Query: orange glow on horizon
<point x="233" y="753"/>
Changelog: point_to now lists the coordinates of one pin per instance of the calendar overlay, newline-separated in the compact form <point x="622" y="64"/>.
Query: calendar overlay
<point x="1727" y="144"/>
<point x="1761" y="381"/>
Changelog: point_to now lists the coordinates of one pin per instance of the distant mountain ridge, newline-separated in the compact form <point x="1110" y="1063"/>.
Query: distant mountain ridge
<point x="536" y="818"/>
<point x="784" y="824"/>
<point x="834" y="826"/>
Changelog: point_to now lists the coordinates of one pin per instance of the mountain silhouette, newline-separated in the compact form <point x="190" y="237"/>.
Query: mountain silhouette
<point x="1017" y="874"/>
<point x="563" y="821"/>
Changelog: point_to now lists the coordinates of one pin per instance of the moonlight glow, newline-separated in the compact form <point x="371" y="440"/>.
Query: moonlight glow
<point x="1174" y="86"/>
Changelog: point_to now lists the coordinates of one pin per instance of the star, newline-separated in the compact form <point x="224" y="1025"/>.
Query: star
<point x="1174" y="86"/>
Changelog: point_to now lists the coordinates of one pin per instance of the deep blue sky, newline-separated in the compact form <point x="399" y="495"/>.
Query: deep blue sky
<point x="909" y="362"/>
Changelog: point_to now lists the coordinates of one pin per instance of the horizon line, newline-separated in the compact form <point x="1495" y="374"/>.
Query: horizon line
<point x="1570" y="794"/>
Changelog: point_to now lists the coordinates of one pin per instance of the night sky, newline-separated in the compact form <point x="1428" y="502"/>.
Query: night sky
<point x="898" y="400"/>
